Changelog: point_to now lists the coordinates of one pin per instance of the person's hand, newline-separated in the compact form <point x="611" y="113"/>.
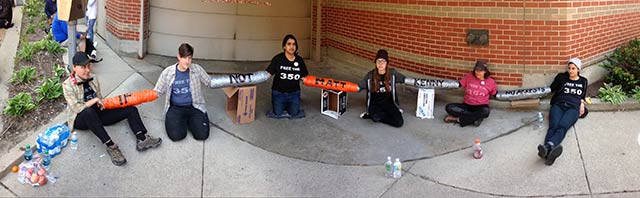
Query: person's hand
<point x="581" y="108"/>
<point x="82" y="36"/>
<point x="100" y="104"/>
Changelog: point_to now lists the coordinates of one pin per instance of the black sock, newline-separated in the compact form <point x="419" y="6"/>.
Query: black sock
<point x="140" y="135"/>
<point x="109" y="143"/>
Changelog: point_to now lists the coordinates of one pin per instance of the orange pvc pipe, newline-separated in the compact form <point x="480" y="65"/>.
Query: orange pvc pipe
<point x="332" y="84"/>
<point x="130" y="99"/>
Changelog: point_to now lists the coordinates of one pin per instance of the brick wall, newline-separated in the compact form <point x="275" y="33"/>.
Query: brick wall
<point x="532" y="37"/>
<point x="123" y="19"/>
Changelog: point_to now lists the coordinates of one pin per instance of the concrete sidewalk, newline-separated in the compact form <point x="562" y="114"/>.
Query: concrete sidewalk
<point x="319" y="156"/>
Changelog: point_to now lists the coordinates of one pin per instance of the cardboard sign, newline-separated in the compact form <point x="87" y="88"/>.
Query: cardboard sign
<point x="241" y="103"/>
<point x="425" y="103"/>
<point x="333" y="103"/>
<point x="69" y="10"/>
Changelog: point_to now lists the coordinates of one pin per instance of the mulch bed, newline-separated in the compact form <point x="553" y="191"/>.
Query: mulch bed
<point x="17" y="129"/>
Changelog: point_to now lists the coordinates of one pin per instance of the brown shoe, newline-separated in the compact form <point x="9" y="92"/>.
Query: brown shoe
<point x="116" y="155"/>
<point x="450" y="119"/>
<point x="148" y="142"/>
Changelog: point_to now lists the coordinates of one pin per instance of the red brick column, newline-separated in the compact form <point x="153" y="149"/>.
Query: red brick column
<point x="123" y="19"/>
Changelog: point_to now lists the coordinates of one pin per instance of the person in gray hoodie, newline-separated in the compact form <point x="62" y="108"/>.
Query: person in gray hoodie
<point x="382" y="100"/>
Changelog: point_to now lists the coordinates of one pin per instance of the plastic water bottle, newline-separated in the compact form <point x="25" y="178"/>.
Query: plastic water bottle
<point x="28" y="153"/>
<point x="540" y="120"/>
<point x="397" y="169"/>
<point x="46" y="161"/>
<point x="74" y="141"/>
<point x="477" y="149"/>
<point x="388" y="166"/>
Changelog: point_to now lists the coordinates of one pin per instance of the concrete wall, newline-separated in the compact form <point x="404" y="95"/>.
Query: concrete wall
<point x="226" y="31"/>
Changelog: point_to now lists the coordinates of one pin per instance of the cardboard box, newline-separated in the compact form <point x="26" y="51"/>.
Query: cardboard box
<point x="333" y="103"/>
<point x="426" y="100"/>
<point x="241" y="103"/>
<point x="69" y="10"/>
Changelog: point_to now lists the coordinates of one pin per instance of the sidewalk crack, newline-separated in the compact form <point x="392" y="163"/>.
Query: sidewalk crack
<point x="7" y="188"/>
<point x="584" y="168"/>
<point x="396" y="180"/>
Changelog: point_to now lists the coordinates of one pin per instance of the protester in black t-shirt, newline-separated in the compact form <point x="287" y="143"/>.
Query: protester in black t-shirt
<point x="382" y="99"/>
<point x="567" y="104"/>
<point x="287" y="69"/>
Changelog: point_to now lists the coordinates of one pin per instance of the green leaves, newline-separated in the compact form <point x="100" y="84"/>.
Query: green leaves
<point x="51" y="89"/>
<point x="19" y="104"/>
<point x="58" y="71"/>
<point x="29" y="49"/>
<point x="624" y="66"/>
<point x="24" y="75"/>
<point x="614" y="94"/>
<point x="635" y="93"/>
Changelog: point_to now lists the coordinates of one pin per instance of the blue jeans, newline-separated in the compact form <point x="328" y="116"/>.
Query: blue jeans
<point x="90" y="24"/>
<point x="289" y="101"/>
<point x="561" y="117"/>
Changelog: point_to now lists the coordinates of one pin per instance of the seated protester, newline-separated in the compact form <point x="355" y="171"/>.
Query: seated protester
<point x="478" y="87"/>
<point x="184" y="106"/>
<point x="59" y="30"/>
<point x="382" y="99"/>
<point x="85" y="110"/>
<point x="287" y="68"/>
<point x="6" y="14"/>
<point x="50" y="10"/>
<point x="567" y="104"/>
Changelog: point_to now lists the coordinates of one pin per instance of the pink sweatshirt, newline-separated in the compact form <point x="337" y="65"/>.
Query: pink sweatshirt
<point x="478" y="91"/>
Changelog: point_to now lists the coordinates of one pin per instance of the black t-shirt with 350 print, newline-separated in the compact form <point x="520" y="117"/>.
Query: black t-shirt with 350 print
<point x="567" y="90"/>
<point x="287" y="74"/>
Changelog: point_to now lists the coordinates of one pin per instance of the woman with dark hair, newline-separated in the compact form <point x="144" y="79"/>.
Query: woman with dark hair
<point x="184" y="105"/>
<point x="382" y="100"/>
<point x="288" y="68"/>
<point x="478" y="87"/>
<point x="567" y="104"/>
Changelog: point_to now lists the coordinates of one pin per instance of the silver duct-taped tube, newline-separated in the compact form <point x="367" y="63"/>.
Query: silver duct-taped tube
<point x="237" y="80"/>
<point x="431" y="83"/>
<point x="523" y="94"/>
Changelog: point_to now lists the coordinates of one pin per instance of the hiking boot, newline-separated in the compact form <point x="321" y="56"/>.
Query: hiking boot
<point x="543" y="151"/>
<point x="365" y="115"/>
<point x="148" y="142"/>
<point x="116" y="155"/>
<point x="553" y="154"/>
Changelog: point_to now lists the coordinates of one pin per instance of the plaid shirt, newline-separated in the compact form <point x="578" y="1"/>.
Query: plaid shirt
<point x="73" y="90"/>
<point x="198" y="78"/>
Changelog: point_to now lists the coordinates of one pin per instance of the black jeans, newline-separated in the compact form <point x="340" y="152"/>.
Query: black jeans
<point x="95" y="120"/>
<point x="386" y="113"/>
<point x="467" y="114"/>
<point x="179" y="118"/>
<point x="561" y="117"/>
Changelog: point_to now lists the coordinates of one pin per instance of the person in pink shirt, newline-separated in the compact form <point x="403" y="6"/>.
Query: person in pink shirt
<point x="478" y="87"/>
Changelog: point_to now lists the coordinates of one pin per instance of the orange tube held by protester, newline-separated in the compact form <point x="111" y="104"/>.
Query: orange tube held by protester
<point x="332" y="84"/>
<point x="130" y="99"/>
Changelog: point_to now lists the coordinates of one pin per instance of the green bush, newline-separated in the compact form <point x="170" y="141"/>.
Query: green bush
<point x="635" y="94"/>
<point x="19" y="104"/>
<point x="34" y="8"/>
<point x="624" y="66"/>
<point x="26" y="51"/>
<point x="25" y="74"/>
<point x="29" y="49"/>
<point x="614" y="95"/>
<point x="51" y="89"/>
<point x="30" y="29"/>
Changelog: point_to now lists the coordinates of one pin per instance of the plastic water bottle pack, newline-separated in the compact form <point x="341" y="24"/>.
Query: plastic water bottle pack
<point x="53" y="140"/>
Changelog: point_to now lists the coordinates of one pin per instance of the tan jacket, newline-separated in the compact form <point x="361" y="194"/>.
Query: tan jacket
<point x="74" y="95"/>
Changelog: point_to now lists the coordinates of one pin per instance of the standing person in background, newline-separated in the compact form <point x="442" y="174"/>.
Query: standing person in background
<point x="287" y="68"/>
<point x="184" y="106"/>
<point x="91" y="15"/>
<point x="6" y="14"/>
<point x="478" y="87"/>
<point x="50" y="10"/>
<point x="567" y="105"/>
<point x="382" y="99"/>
